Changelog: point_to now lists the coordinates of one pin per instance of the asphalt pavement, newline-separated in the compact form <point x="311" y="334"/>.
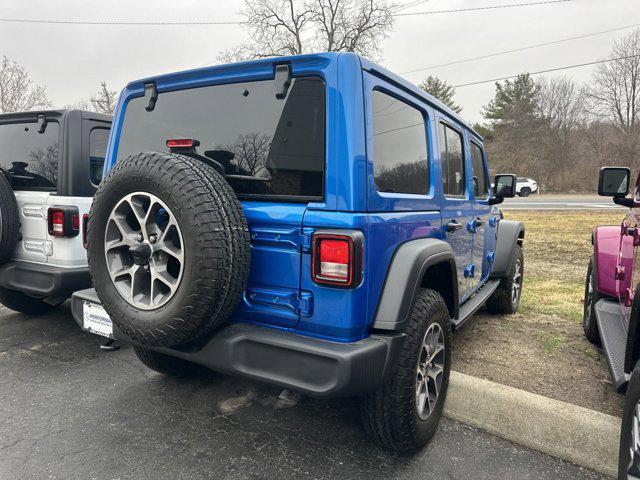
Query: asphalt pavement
<point x="71" y="411"/>
<point x="559" y="202"/>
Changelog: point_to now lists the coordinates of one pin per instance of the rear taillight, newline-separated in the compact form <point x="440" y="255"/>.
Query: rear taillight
<point x="63" y="221"/>
<point x="85" y="224"/>
<point x="337" y="257"/>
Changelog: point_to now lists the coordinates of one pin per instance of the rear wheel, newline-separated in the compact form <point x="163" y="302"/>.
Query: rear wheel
<point x="404" y="414"/>
<point x="166" y="364"/>
<point x="591" y="297"/>
<point x="23" y="303"/>
<point x="506" y="298"/>
<point x="629" y="454"/>
<point x="525" y="192"/>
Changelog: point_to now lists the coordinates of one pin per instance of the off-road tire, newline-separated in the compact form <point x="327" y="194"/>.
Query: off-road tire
<point x="9" y="220"/>
<point x="626" y="439"/>
<point x="589" y="323"/>
<point x="23" y="303"/>
<point x="166" y="364"/>
<point x="525" y="192"/>
<point x="216" y="247"/>
<point x="389" y="414"/>
<point x="501" y="301"/>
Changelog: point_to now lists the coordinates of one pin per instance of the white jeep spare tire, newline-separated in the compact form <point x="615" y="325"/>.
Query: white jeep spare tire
<point x="168" y="249"/>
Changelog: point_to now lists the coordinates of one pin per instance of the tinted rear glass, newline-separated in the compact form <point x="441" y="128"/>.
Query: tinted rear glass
<point x="98" y="138"/>
<point x="266" y="146"/>
<point x="31" y="158"/>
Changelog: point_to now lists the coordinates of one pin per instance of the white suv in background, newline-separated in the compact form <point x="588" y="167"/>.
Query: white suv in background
<point x="526" y="186"/>
<point x="50" y="165"/>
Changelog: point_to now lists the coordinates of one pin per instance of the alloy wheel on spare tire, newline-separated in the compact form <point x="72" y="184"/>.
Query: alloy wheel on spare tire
<point x="9" y="220"/>
<point x="168" y="248"/>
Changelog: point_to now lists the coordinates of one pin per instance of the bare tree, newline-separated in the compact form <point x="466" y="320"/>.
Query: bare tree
<point x="615" y="92"/>
<point x="105" y="101"/>
<point x="561" y="104"/>
<point x="251" y="152"/>
<point x="17" y="91"/>
<point x="291" y="27"/>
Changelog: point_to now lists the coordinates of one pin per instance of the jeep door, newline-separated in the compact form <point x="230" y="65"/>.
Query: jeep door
<point x="457" y="210"/>
<point x="628" y="263"/>
<point x="484" y="233"/>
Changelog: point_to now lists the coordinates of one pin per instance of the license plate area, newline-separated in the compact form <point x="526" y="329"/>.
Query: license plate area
<point x="96" y="320"/>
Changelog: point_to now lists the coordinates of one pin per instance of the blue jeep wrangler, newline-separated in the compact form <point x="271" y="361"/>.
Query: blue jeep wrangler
<point x="315" y="222"/>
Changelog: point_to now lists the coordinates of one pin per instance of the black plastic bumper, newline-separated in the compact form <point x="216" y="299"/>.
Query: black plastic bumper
<point x="315" y="367"/>
<point x="52" y="283"/>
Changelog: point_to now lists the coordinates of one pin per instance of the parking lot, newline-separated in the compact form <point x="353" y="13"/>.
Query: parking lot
<point x="69" y="410"/>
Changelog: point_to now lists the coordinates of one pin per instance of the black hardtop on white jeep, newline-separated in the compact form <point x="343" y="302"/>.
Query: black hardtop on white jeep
<point x="50" y="165"/>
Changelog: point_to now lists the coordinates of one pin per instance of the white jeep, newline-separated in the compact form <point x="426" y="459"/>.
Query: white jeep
<point x="526" y="186"/>
<point x="50" y="165"/>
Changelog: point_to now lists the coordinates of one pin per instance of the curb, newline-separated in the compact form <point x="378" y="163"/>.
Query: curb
<point x="576" y="434"/>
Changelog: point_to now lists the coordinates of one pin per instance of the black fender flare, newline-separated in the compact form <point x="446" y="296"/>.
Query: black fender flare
<point x="510" y="233"/>
<point x="404" y="277"/>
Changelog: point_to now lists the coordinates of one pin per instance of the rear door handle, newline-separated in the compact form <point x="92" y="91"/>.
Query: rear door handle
<point x="453" y="225"/>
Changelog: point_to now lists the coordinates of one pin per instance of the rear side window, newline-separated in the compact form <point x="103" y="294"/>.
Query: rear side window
<point x="98" y="138"/>
<point x="267" y="147"/>
<point x="400" y="161"/>
<point x="30" y="158"/>
<point x="453" y="174"/>
<point x="480" y="179"/>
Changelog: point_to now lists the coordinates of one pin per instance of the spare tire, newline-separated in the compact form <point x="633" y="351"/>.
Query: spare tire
<point x="9" y="220"/>
<point x="169" y="248"/>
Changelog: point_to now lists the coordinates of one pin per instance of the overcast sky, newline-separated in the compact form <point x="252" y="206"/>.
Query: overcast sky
<point x="71" y="60"/>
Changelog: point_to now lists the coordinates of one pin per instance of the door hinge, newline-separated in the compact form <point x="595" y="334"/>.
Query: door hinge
<point x="305" y="239"/>
<point x="300" y="302"/>
<point x="491" y="256"/>
<point x="470" y="271"/>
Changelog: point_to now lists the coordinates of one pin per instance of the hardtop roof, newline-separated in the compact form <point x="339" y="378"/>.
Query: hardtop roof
<point x="366" y="65"/>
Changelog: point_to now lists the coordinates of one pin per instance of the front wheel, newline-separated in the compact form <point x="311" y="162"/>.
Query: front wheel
<point x="506" y="298"/>
<point x="591" y="297"/>
<point x="525" y="192"/>
<point x="629" y="455"/>
<point x="23" y="303"/>
<point x="404" y="414"/>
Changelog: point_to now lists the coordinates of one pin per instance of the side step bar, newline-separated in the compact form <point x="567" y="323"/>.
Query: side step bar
<point x="471" y="306"/>
<point x="613" y="333"/>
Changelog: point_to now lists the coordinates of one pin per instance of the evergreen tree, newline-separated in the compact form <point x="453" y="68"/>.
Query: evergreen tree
<point x="441" y="90"/>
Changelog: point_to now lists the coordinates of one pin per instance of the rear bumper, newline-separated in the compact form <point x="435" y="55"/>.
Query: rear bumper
<point x="318" y="368"/>
<point x="52" y="283"/>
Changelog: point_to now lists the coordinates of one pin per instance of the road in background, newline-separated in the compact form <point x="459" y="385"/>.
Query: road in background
<point x="71" y="411"/>
<point x="559" y="202"/>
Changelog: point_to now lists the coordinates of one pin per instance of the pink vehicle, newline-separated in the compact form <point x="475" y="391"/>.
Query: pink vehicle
<point x="611" y="316"/>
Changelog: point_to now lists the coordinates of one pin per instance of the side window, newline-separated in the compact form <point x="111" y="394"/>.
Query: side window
<point x="400" y="160"/>
<point x="98" y="138"/>
<point x="480" y="179"/>
<point x="453" y="174"/>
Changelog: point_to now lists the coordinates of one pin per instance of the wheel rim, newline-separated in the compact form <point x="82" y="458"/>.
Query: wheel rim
<point x="633" y="468"/>
<point x="430" y="371"/>
<point x="144" y="250"/>
<point x="517" y="282"/>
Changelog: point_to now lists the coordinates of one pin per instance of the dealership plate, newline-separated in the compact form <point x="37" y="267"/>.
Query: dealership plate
<point x="96" y="320"/>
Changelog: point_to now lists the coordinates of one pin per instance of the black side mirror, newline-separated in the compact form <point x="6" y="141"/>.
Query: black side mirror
<point x="504" y="186"/>
<point x="614" y="182"/>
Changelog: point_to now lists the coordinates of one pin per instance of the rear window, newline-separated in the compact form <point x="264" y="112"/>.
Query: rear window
<point x="30" y="158"/>
<point x="98" y="138"/>
<point x="267" y="147"/>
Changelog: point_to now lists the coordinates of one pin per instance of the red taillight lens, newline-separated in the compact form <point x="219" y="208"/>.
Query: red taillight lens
<point x="75" y="221"/>
<point x="85" y="224"/>
<point x="334" y="259"/>
<point x="337" y="258"/>
<point x="182" y="143"/>
<point x="56" y="222"/>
